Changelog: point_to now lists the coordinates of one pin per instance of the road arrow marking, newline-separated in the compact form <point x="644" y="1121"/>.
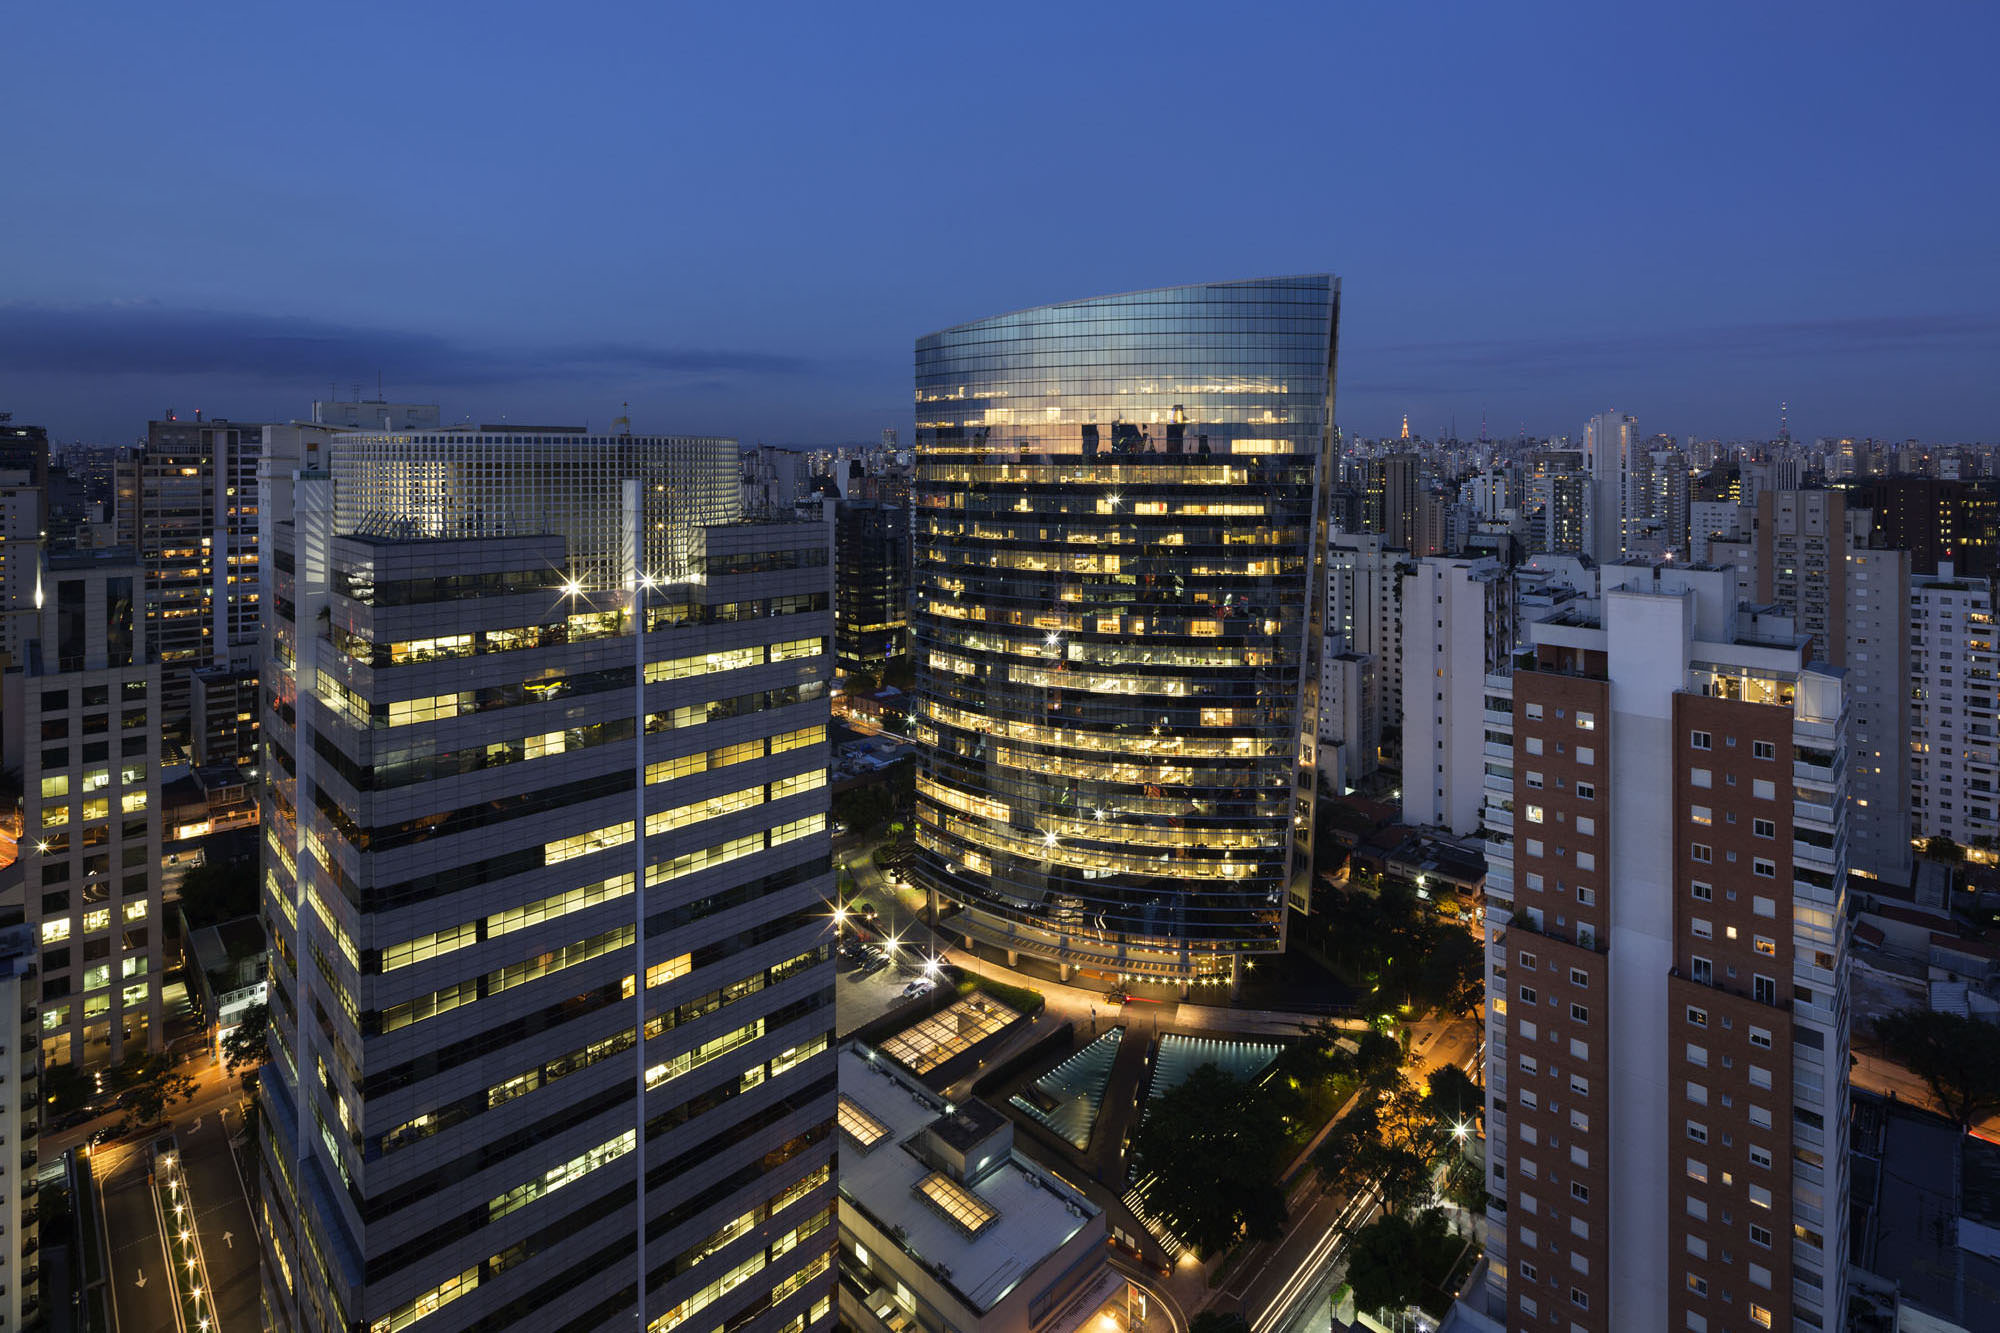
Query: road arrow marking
<point x="140" y="1281"/>
<point x="229" y="1239"/>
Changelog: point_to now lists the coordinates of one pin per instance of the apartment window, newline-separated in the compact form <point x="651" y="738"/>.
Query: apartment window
<point x="1700" y="740"/>
<point x="1586" y="860"/>
<point x="1577" y="1296"/>
<point x="1760" y="1236"/>
<point x="1761" y="1037"/>
<point x="1765" y="945"/>
<point x="1697" y="1285"/>
<point x="1763" y="906"/>
<point x="1763" y="750"/>
<point x="1579" y="978"/>
<point x="1764" y="828"/>
<point x="1702" y="853"/>
<point x="1586" y="791"/>
<point x="1586" y="826"/>
<point x="1760" y="1316"/>
<point x="1697" y="1093"/>
<point x="1698" y="1017"/>
<point x="1586" y="722"/>
<point x="1528" y="1065"/>
<point x="1579" y="1121"/>
<point x="1697" y="1171"/>
<point x="1527" y="995"/>
<point x="1700" y="777"/>
<point x="1535" y="712"/>
<point x="1586" y="755"/>
<point x="1579" y="1192"/>
<point x="1760" y="1157"/>
<point x="1697" y="1131"/>
<point x="1697" y="1209"/>
<point x="1702" y="892"/>
<point x="1527" y="960"/>
<point x="1527" y="1271"/>
<point x="1534" y="781"/>
<point x="1579" y="1085"/>
<point x="1764" y="789"/>
<point x="1697" y="1055"/>
<point x="1579" y="1013"/>
<point x="1534" y="814"/>
<point x="1533" y="744"/>
<point x="1764" y="990"/>
<point x="1701" y="814"/>
<point x="1764" y="868"/>
<point x="1702" y="928"/>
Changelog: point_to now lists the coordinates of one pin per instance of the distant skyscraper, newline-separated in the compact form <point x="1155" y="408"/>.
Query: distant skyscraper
<point x="187" y="508"/>
<point x="1116" y="621"/>
<point x="1610" y="440"/>
<point x="1402" y="500"/>
<point x="546" y="870"/>
<point x="871" y="585"/>
<point x="20" y="1123"/>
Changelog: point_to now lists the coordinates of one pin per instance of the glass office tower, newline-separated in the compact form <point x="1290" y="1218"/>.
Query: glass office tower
<point x="1120" y="508"/>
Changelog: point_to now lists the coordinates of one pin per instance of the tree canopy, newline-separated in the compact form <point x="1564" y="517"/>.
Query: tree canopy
<point x="149" y="1084"/>
<point x="1397" y="1261"/>
<point x="248" y="1043"/>
<point x="1397" y="943"/>
<point x="1958" y="1057"/>
<point x="218" y="891"/>
<point x="1215" y="1146"/>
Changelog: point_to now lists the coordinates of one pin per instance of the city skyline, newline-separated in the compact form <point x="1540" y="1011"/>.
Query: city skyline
<point x="738" y="249"/>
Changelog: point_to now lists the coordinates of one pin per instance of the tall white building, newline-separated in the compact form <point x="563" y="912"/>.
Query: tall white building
<point x="1458" y="626"/>
<point x="1610" y="446"/>
<point x="1954" y="780"/>
<point x="1364" y="610"/>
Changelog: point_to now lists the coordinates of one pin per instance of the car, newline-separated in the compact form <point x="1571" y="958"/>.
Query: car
<point x="70" y="1120"/>
<point x="839" y="827"/>
<point x="921" y="986"/>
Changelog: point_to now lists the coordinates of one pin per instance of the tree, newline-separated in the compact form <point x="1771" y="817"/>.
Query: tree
<point x="1451" y="974"/>
<point x="149" y="1084"/>
<point x="249" y="1042"/>
<point x="1941" y="848"/>
<point x="1958" y="1057"/>
<point x="1217" y="1321"/>
<point x="65" y="1088"/>
<point x="1397" y="1261"/>
<point x="1454" y="1098"/>
<point x="1214" y="1148"/>
<point x="218" y="891"/>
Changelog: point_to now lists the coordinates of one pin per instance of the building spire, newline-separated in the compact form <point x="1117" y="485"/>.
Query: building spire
<point x="1406" y="425"/>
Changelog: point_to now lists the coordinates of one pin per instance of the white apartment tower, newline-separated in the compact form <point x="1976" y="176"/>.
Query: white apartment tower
<point x="1364" y="610"/>
<point x="1610" y="446"/>
<point x="1954" y="780"/>
<point x="1458" y="627"/>
<point x="1666" y="971"/>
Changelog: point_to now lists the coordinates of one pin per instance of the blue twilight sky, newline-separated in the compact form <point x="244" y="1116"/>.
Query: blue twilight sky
<point x="738" y="217"/>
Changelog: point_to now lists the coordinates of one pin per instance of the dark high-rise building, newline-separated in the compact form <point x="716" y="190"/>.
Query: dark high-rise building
<point x="871" y="585"/>
<point x="187" y="506"/>
<point x="1120" y="520"/>
<point x="1935" y="520"/>
<point x="545" y="874"/>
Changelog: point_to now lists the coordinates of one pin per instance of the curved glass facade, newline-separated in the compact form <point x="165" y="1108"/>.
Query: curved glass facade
<point x="1120" y="505"/>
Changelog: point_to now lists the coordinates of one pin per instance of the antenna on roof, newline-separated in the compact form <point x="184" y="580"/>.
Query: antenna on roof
<point x="625" y="421"/>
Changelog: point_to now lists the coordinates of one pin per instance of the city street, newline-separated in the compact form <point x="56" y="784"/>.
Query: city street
<point x="142" y="1294"/>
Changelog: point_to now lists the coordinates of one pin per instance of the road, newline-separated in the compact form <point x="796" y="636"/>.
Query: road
<point x="142" y="1297"/>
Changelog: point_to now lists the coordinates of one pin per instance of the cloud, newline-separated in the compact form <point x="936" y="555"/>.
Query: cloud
<point x="1471" y="364"/>
<point x="134" y="338"/>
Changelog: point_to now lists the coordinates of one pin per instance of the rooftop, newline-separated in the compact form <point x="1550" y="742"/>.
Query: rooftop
<point x="980" y="1237"/>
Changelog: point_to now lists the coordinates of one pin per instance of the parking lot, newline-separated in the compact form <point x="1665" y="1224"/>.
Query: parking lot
<point x="863" y="994"/>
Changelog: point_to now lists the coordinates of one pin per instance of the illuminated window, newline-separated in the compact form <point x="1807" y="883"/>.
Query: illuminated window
<point x="961" y="1205"/>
